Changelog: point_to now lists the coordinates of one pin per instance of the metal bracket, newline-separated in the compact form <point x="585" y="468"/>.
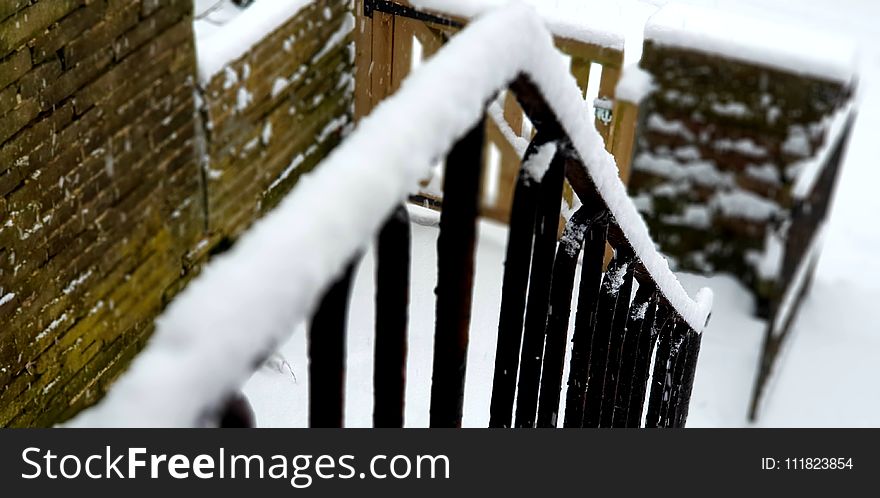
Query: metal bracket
<point x="603" y="109"/>
<point x="396" y="9"/>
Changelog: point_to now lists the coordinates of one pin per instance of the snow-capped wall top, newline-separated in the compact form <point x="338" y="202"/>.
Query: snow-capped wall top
<point x="588" y="21"/>
<point x="752" y="39"/>
<point x="225" y="32"/>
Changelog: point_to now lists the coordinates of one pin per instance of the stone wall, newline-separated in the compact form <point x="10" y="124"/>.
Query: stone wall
<point x="720" y="146"/>
<point x="120" y="177"/>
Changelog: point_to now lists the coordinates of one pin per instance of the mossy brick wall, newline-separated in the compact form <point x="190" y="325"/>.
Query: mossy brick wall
<point x="273" y="114"/>
<point x="119" y="176"/>
<point x="100" y="198"/>
<point x="716" y="145"/>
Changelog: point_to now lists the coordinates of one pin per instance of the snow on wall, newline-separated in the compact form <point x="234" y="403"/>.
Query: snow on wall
<point x="588" y="21"/>
<point x="751" y="39"/>
<point x="247" y="301"/>
<point x="218" y="46"/>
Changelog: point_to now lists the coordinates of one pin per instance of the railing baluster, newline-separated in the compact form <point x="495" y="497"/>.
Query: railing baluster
<point x="392" y="301"/>
<point x="513" y="292"/>
<point x="679" y="353"/>
<point x="636" y="327"/>
<point x="661" y="367"/>
<point x="654" y="318"/>
<point x="455" y="275"/>
<point x="585" y="321"/>
<point x="543" y="252"/>
<point x="562" y="285"/>
<point x="618" y="335"/>
<point x="327" y="354"/>
<point x="612" y="283"/>
<point x="690" y="368"/>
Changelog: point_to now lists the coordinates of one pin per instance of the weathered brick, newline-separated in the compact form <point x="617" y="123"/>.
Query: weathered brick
<point x="67" y="29"/>
<point x="115" y="22"/>
<point x="14" y="66"/>
<point x="28" y="22"/>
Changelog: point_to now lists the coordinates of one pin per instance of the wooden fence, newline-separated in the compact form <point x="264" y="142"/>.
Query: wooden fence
<point x="385" y="36"/>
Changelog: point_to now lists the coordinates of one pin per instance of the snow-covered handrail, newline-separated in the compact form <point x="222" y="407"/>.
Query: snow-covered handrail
<point x="247" y="300"/>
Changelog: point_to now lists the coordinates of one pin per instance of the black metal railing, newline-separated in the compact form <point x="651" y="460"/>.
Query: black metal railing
<point x="633" y="356"/>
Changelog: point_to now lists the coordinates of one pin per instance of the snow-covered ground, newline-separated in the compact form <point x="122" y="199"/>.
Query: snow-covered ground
<point x="826" y="374"/>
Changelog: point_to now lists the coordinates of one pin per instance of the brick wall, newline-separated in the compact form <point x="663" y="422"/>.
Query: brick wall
<point x="715" y="162"/>
<point x="275" y="112"/>
<point x="99" y="191"/>
<point x="109" y="151"/>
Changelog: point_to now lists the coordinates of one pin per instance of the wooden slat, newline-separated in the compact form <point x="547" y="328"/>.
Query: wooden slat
<point x="455" y="274"/>
<point x="580" y="69"/>
<point x="363" y="36"/>
<point x="626" y="115"/>
<point x="562" y="286"/>
<point x="607" y="57"/>
<point x="585" y="321"/>
<point x="392" y="302"/>
<point x="607" y="87"/>
<point x="543" y="253"/>
<point x="327" y="354"/>
<point x="401" y="59"/>
<point x="382" y="51"/>
<point x="513" y="293"/>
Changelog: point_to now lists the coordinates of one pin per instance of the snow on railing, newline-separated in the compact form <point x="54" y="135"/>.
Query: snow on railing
<point x="248" y="300"/>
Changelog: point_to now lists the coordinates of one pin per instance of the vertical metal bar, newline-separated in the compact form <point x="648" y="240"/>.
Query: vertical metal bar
<point x="455" y="275"/>
<point x="513" y="293"/>
<point x="392" y="302"/>
<point x="585" y="321"/>
<point x="674" y="376"/>
<point x="564" y="269"/>
<point x="661" y="368"/>
<point x="613" y="282"/>
<point x="327" y="354"/>
<point x="543" y="252"/>
<point x="629" y="355"/>
<point x="655" y="318"/>
<point x="618" y="335"/>
<point x="688" y="379"/>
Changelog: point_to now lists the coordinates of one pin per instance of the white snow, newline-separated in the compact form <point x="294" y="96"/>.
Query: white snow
<point x="241" y="29"/>
<point x="745" y="205"/>
<point x="634" y="85"/>
<point x="245" y="302"/>
<point x="7" y="298"/>
<point x="754" y="39"/>
<point x="591" y="21"/>
<point x="537" y="165"/>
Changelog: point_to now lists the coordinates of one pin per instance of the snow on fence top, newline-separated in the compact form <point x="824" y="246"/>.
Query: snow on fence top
<point x="589" y="21"/>
<point x="247" y="301"/>
<point x="225" y="32"/>
<point x="756" y="40"/>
